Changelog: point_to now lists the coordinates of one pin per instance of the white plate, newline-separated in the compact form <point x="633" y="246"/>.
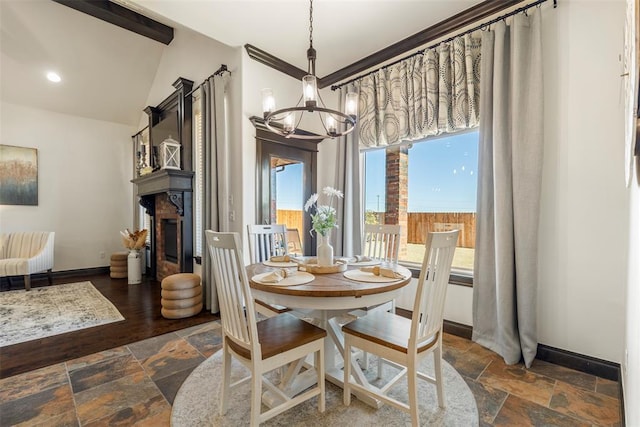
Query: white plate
<point x="364" y="276"/>
<point x="300" y="278"/>
<point x="280" y="264"/>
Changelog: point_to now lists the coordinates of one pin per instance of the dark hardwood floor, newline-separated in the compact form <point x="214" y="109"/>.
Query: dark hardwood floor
<point x="139" y="304"/>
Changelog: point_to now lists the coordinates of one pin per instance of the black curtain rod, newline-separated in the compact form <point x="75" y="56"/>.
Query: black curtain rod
<point x="220" y="71"/>
<point x="421" y="51"/>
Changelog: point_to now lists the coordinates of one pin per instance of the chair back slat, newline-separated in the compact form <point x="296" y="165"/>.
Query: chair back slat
<point x="382" y="241"/>
<point x="233" y="289"/>
<point x="428" y="307"/>
<point x="266" y="241"/>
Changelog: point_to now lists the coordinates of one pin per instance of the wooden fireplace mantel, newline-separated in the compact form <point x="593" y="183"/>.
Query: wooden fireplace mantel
<point x="164" y="180"/>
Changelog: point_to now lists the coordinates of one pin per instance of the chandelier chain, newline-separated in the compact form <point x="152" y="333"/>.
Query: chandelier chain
<point x="311" y="23"/>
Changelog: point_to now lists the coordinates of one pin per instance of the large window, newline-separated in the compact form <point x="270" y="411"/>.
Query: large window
<point x="437" y="192"/>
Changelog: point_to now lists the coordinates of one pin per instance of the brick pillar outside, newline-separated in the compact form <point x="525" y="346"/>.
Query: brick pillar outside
<point x="398" y="192"/>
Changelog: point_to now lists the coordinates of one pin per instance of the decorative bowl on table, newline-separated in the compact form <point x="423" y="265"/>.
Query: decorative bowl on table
<point x="310" y="265"/>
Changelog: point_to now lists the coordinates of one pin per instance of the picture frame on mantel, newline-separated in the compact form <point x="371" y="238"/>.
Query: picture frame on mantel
<point x="19" y="175"/>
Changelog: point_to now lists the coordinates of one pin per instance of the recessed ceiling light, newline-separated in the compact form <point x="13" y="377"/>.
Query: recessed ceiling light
<point x="52" y="76"/>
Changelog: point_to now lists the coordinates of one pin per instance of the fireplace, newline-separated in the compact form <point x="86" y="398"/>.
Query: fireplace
<point x="166" y="195"/>
<point x="171" y="256"/>
<point x="170" y="239"/>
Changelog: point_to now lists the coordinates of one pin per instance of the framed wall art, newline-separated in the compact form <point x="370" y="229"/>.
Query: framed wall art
<point x="18" y="175"/>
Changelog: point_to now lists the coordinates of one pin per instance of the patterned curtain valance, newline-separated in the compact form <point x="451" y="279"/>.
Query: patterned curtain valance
<point x="428" y="94"/>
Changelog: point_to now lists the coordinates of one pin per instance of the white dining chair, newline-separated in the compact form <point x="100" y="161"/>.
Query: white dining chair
<point x="260" y="346"/>
<point x="382" y="242"/>
<point x="403" y="342"/>
<point x="266" y="241"/>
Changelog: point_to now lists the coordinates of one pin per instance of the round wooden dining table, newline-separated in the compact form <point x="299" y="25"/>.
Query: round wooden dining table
<point x="328" y="299"/>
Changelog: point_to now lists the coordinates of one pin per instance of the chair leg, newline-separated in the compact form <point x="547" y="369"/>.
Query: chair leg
<point x="412" y="379"/>
<point x="27" y="282"/>
<point x="319" y="362"/>
<point x="437" y="364"/>
<point x="347" y="372"/>
<point x="226" y="380"/>
<point x="50" y="277"/>
<point x="256" y="397"/>
<point x="364" y="361"/>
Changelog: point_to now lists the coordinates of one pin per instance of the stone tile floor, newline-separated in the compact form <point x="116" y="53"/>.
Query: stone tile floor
<point x="136" y="385"/>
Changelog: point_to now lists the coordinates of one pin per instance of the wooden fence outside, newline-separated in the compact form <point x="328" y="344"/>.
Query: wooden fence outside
<point x="292" y="219"/>
<point x="422" y="222"/>
<point x="419" y="224"/>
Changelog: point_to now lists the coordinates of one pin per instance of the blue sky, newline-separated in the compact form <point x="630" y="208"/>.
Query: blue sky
<point x="442" y="177"/>
<point x="289" y="187"/>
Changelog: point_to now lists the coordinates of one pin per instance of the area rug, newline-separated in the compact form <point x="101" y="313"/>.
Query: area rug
<point x="197" y="402"/>
<point x="52" y="310"/>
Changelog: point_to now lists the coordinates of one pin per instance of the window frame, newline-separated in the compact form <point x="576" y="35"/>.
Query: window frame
<point x="458" y="276"/>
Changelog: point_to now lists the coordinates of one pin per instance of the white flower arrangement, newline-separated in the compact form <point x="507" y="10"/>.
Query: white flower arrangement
<point x="323" y="220"/>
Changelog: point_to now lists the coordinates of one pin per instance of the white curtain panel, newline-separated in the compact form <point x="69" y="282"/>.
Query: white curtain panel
<point x="424" y="95"/>
<point x="510" y="167"/>
<point x="216" y="172"/>
<point x="348" y="180"/>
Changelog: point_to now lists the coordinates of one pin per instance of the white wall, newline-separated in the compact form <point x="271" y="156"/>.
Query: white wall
<point x="236" y="123"/>
<point x="84" y="193"/>
<point x="583" y="224"/>
<point x="192" y="56"/>
<point x="631" y="364"/>
<point x="457" y="307"/>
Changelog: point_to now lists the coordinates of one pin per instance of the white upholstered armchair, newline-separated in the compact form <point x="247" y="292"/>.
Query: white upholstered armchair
<point x="26" y="253"/>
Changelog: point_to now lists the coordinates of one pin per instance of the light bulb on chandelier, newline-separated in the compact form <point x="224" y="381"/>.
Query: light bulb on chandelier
<point x="285" y="121"/>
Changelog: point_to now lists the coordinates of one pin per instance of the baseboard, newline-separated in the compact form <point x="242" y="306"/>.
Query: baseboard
<point x="458" y="329"/>
<point x="557" y="356"/>
<point x="64" y="274"/>
<point x="579" y="362"/>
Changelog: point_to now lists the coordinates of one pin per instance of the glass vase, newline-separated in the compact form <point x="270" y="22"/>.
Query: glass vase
<point x="324" y="250"/>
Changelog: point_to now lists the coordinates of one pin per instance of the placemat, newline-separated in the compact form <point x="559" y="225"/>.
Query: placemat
<point x="300" y="278"/>
<point x="364" y="276"/>
<point x="280" y="264"/>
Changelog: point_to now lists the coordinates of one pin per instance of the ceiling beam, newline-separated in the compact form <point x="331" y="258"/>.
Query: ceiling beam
<point x="122" y="17"/>
<point x="437" y="31"/>
<point x="274" y="62"/>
